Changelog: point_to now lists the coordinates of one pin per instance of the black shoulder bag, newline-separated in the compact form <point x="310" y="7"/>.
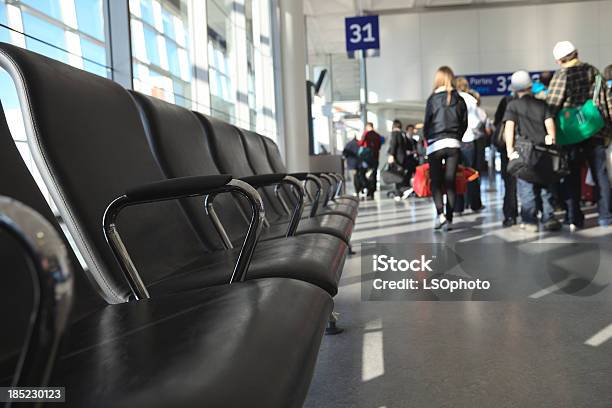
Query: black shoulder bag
<point x="543" y="165"/>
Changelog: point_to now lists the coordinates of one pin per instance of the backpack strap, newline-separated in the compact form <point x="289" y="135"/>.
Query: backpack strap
<point x="597" y="90"/>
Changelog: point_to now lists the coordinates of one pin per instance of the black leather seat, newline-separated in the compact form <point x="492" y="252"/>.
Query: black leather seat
<point x="276" y="163"/>
<point x="229" y="153"/>
<point x="247" y="344"/>
<point x="159" y="237"/>
<point x="178" y="140"/>
<point x="258" y="159"/>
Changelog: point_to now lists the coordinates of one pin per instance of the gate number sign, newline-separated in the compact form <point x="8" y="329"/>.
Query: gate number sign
<point x="494" y="84"/>
<point x="361" y="33"/>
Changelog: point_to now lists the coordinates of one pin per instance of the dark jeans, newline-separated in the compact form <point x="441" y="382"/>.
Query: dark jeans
<point x="480" y="163"/>
<point x="357" y="180"/>
<point x="529" y="194"/>
<point x="469" y="158"/>
<point x="596" y="157"/>
<point x="371" y="180"/>
<point x="571" y="185"/>
<point x="595" y="153"/>
<point x="510" y="200"/>
<point x="442" y="175"/>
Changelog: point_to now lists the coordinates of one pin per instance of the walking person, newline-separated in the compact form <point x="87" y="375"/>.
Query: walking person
<point x="510" y="207"/>
<point x="469" y="148"/>
<point x="531" y="119"/>
<point x="372" y="141"/>
<point x="418" y="142"/>
<point x="401" y="154"/>
<point x="351" y="154"/>
<point x="444" y="125"/>
<point x="571" y="86"/>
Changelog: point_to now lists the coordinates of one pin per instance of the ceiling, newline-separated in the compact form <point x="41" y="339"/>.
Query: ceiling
<point x="325" y="18"/>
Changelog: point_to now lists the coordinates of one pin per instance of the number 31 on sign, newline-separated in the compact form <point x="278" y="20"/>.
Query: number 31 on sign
<point x="362" y="33"/>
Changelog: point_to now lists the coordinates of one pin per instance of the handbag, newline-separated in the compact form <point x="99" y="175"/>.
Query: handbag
<point x="575" y="125"/>
<point x="422" y="180"/>
<point x="543" y="165"/>
<point x="392" y="174"/>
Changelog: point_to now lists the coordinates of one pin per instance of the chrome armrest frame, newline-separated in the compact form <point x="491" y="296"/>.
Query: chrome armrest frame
<point x="330" y="193"/>
<point x="246" y="252"/>
<point x="339" y="183"/>
<point x="53" y="290"/>
<point x="317" y="197"/>
<point x="296" y="214"/>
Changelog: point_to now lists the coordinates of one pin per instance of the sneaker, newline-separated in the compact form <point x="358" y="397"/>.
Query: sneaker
<point x="509" y="222"/>
<point x="397" y="198"/>
<point x="407" y="193"/>
<point x="440" y="221"/>
<point x="448" y="226"/>
<point x="552" y="225"/>
<point x="573" y="227"/>
<point x="529" y="227"/>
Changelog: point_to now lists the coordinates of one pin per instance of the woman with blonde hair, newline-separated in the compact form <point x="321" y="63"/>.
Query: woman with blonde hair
<point x="445" y="123"/>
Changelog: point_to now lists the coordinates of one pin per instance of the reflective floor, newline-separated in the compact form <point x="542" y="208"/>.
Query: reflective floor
<point x="549" y="346"/>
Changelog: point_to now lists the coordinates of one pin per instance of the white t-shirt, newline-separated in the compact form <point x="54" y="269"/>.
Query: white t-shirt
<point x="474" y="117"/>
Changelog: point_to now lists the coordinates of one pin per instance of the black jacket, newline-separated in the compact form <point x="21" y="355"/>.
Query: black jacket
<point x="444" y="120"/>
<point x="398" y="145"/>
<point x="350" y="152"/>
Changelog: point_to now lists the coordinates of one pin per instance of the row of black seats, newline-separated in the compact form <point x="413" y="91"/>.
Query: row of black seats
<point x="209" y="270"/>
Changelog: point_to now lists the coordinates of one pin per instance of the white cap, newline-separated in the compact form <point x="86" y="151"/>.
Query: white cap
<point x="521" y="80"/>
<point x="563" y="49"/>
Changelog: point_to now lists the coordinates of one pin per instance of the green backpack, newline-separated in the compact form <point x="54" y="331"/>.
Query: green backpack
<point x="575" y="125"/>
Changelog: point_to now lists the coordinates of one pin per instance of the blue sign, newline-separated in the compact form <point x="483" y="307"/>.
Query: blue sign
<point x="494" y="84"/>
<point x="361" y="33"/>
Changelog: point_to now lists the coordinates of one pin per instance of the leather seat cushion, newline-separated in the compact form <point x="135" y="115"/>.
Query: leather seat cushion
<point x="314" y="258"/>
<point x="247" y="344"/>
<point x="332" y="224"/>
<point x="347" y="198"/>
<point x="341" y="209"/>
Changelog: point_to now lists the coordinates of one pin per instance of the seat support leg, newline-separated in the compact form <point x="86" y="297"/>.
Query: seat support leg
<point x="350" y="250"/>
<point x="332" y="327"/>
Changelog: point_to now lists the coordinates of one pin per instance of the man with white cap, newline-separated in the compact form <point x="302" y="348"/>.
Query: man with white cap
<point x="571" y="86"/>
<point x="533" y="122"/>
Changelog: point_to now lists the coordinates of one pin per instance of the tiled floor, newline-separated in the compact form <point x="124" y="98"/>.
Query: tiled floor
<point x="548" y="346"/>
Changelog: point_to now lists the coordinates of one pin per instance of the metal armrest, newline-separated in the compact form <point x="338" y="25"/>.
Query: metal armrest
<point x="308" y="177"/>
<point x="340" y="182"/>
<point x="296" y="215"/>
<point x="53" y="290"/>
<point x="173" y="189"/>
<point x="264" y="180"/>
<point x="332" y="182"/>
<point x="278" y="179"/>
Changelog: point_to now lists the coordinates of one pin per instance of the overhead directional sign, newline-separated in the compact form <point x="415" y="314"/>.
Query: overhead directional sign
<point x="494" y="84"/>
<point x="361" y="33"/>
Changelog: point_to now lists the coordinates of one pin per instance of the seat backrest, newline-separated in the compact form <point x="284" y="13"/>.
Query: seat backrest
<point x="274" y="156"/>
<point x="16" y="286"/>
<point x="179" y="141"/>
<point x="230" y="155"/>
<point x="258" y="159"/>
<point x="276" y="163"/>
<point x="88" y="142"/>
